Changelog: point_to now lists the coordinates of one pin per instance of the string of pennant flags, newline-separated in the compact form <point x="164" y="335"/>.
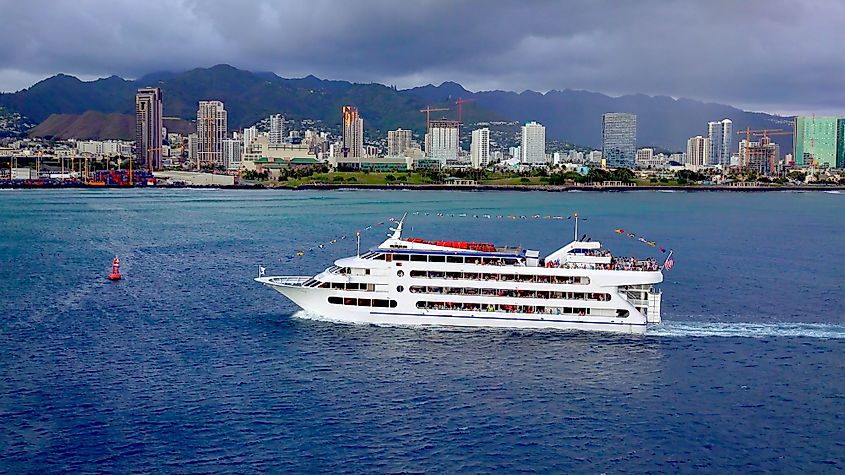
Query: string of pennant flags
<point x="380" y="225"/>
<point x="641" y="239"/>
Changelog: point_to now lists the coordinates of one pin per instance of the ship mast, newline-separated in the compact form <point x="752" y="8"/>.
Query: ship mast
<point x="576" y="226"/>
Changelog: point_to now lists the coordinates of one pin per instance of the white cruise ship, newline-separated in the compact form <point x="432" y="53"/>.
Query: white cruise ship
<point x="409" y="281"/>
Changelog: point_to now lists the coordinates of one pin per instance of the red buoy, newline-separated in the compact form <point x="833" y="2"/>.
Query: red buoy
<point x="115" y="269"/>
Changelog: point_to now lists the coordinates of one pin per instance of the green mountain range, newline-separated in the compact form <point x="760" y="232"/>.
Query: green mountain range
<point x="572" y="116"/>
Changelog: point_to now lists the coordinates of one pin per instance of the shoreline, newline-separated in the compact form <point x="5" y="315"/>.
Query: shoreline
<point x="444" y="187"/>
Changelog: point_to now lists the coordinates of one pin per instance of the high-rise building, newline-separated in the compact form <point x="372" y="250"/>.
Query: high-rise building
<point x="698" y="150"/>
<point x="398" y="141"/>
<point x="232" y="154"/>
<point x="442" y="141"/>
<point x="817" y="141"/>
<point x="148" y="126"/>
<point x="720" y="134"/>
<point x="353" y="132"/>
<point x="192" y="148"/>
<point x="533" y="144"/>
<point x="619" y="139"/>
<point x="761" y="157"/>
<point x="277" y="129"/>
<point x="479" y="148"/>
<point x="211" y="130"/>
<point x="249" y="136"/>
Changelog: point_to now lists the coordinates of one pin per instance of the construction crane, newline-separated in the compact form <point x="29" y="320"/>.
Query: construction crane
<point x="428" y="110"/>
<point x="460" y="102"/>
<point x="764" y="133"/>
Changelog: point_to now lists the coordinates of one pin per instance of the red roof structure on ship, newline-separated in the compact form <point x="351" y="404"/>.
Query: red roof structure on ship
<point x="471" y="246"/>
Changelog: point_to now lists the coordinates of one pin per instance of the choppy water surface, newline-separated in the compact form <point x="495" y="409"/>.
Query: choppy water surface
<point x="188" y="366"/>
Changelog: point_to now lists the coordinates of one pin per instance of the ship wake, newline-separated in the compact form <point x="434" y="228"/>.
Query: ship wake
<point x="747" y="330"/>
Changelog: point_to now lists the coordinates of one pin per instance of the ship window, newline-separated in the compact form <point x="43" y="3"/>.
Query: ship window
<point x="362" y="302"/>
<point x="436" y="259"/>
<point x="400" y="257"/>
<point x="622" y="313"/>
<point x="455" y="259"/>
<point x="419" y="258"/>
<point x="418" y="273"/>
<point x="399" y="288"/>
<point x="379" y="257"/>
<point x="401" y="273"/>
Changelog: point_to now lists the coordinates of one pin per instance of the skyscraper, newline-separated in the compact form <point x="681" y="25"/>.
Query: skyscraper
<point x="479" y="148"/>
<point x="398" y="141"/>
<point x="698" y="150"/>
<point x="148" y="125"/>
<point x="249" y="135"/>
<point x="211" y="130"/>
<point x="442" y="141"/>
<point x="533" y="145"/>
<point x="619" y="139"/>
<point x="816" y="141"/>
<point x="720" y="135"/>
<point x="277" y="129"/>
<point x="232" y="154"/>
<point x="353" y="132"/>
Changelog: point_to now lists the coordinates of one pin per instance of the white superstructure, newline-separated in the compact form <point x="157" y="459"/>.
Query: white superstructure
<point x="409" y="281"/>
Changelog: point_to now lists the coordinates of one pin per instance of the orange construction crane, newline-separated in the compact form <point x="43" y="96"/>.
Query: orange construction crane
<point x="428" y="110"/>
<point x="460" y="102"/>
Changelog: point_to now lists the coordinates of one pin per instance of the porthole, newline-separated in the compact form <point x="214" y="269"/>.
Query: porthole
<point x="400" y="273"/>
<point x="399" y="288"/>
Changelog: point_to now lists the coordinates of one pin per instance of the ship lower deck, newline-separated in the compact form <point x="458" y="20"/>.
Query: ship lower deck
<point x="388" y="309"/>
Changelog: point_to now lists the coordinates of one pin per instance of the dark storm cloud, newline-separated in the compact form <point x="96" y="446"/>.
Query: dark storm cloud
<point x="777" y="55"/>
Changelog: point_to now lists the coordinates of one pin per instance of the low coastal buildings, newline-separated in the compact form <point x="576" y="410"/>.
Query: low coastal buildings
<point x="261" y="156"/>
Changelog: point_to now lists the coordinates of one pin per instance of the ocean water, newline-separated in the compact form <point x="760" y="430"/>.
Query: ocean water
<point x="189" y="366"/>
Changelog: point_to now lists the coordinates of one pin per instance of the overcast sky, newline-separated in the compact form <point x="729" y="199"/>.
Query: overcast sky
<point x="782" y="56"/>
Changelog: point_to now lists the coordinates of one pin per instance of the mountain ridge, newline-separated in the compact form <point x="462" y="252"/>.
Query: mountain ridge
<point x="568" y="114"/>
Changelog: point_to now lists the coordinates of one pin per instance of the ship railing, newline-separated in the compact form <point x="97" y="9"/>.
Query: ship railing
<point x="292" y="281"/>
<point x="635" y="298"/>
<point x="623" y="265"/>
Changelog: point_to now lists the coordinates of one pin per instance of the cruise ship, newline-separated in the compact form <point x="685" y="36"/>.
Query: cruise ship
<point x="412" y="281"/>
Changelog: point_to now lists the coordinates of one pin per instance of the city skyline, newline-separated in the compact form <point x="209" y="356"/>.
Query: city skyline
<point x="599" y="47"/>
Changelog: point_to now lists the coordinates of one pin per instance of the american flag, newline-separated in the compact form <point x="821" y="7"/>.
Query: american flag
<point x="669" y="261"/>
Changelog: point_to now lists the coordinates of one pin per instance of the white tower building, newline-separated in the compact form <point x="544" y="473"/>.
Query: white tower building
<point x="479" y="149"/>
<point x="698" y="148"/>
<point x="533" y="146"/>
<point x="398" y="141"/>
<point x="720" y="135"/>
<point x="277" y="129"/>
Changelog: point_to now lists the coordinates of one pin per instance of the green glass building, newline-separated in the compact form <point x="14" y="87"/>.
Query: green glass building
<point x="840" y="143"/>
<point x="818" y="140"/>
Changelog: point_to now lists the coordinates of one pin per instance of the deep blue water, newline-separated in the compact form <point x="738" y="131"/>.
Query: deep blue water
<point x="189" y="366"/>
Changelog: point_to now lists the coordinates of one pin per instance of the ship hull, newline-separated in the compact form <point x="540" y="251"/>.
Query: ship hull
<point x="315" y="301"/>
